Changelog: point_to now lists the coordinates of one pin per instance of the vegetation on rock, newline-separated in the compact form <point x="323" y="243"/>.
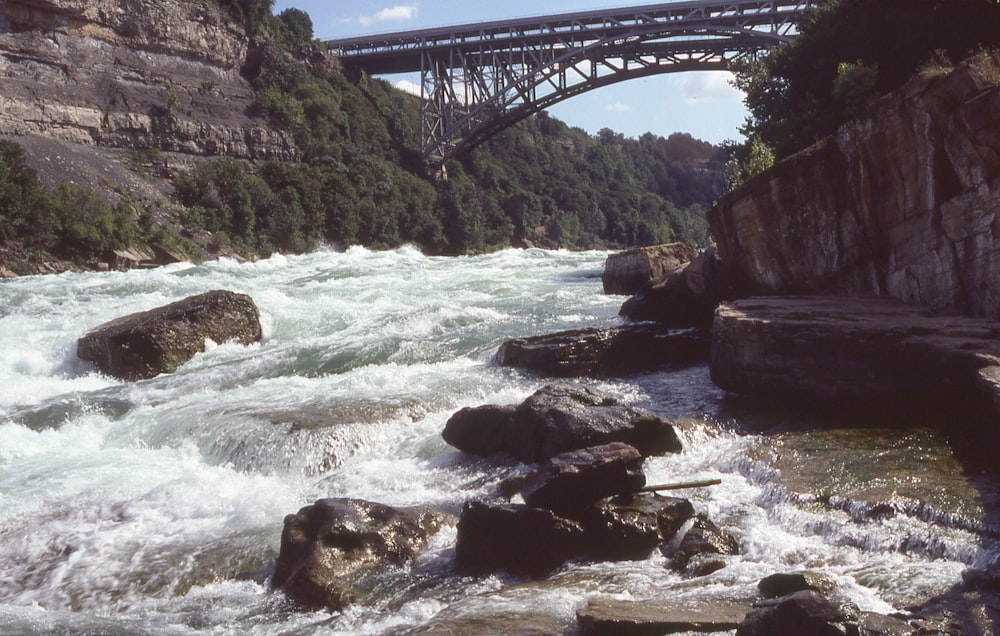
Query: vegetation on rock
<point x="849" y="53"/>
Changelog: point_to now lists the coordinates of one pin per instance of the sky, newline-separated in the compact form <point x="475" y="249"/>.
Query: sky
<point x="700" y="103"/>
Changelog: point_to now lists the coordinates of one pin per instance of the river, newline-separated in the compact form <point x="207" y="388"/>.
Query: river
<point x="156" y="507"/>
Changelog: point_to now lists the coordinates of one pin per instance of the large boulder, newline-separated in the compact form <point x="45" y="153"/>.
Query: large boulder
<point x="556" y="419"/>
<point x="628" y="272"/>
<point x="605" y="352"/>
<point x="686" y="298"/>
<point x="863" y="349"/>
<point x="568" y="483"/>
<point x="330" y="548"/>
<point x="146" y="344"/>
<point x="515" y="538"/>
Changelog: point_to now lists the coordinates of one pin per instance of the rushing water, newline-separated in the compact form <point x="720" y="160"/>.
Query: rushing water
<point x="156" y="507"/>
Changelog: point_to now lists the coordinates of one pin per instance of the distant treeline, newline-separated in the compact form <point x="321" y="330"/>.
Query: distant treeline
<point x="361" y="180"/>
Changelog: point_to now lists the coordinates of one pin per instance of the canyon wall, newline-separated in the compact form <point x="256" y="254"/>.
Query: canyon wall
<point x="131" y="74"/>
<point x="902" y="203"/>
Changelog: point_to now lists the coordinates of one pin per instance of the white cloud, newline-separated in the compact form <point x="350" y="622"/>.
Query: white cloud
<point x="619" y="107"/>
<point x="708" y="86"/>
<point x="397" y="13"/>
<point x="408" y="87"/>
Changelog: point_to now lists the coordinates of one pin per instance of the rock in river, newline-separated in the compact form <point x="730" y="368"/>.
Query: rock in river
<point x="143" y="345"/>
<point x="328" y="548"/>
<point x="627" y="272"/>
<point x="606" y="352"/>
<point x="556" y="419"/>
<point x="569" y="482"/>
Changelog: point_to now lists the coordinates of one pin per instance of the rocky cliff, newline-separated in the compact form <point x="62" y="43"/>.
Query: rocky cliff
<point x="902" y="203"/>
<point x="131" y="74"/>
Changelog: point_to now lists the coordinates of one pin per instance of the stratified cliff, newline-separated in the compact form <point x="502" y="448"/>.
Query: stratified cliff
<point x="903" y="203"/>
<point x="131" y="74"/>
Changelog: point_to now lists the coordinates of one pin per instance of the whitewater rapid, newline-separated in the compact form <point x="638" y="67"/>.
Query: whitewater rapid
<point x="156" y="507"/>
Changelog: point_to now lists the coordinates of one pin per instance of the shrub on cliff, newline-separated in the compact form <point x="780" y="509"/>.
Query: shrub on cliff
<point x="69" y="222"/>
<point x="848" y="53"/>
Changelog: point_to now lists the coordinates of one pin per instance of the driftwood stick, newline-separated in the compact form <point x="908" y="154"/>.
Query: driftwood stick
<point x="682" y="486"/>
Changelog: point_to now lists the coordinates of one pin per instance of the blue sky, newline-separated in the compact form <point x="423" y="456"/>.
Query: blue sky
<point x="702" y="104"/>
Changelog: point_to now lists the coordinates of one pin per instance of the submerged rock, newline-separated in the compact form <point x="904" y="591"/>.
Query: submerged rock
<point x="143" y="345"/>
<point x="627" y="272"/>
<point x="605" y="352"/>
<point x="861" y="349"/>
<point x="330" y="547"/>
<point x="557" y="419"/>
<point x="569" y="482"/>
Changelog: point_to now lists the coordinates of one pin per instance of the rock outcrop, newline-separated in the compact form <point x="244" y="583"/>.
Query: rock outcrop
<point x="329" y="548"/>
<point x="139" y="74"/>
<point x="859" y="349"/>
<point x="557" y="419"/>
<point x="628" y="272"/>
<point x="149" y="343"/>
<point x="903" y="203"/>
<point x="571" y="481"/>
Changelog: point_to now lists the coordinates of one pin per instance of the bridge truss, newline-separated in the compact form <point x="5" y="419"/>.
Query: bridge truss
<point x="479" y="79"/>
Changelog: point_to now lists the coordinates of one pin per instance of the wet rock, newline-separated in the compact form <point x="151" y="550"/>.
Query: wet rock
<point x="704" y="538"/>
<point x="778" y="585"/>
<point x="686" y="298"/>
<point x="672" y="514"/>
<point x="855" y="349"/>
<point x="627" y="272"/>
<point x="482" y="430"/>
<point x="803" y="614"/>
<point x="557" y="419"/>
<point x="629" y="528"/>
<point x="605" y="616"/>
<point x="146" y="344"/>
<point x="605" y="352"/>
<point x="871" y="624"/>
<point x="568" y="482"/>
<point x="988" y="384"/>
<point x="329" y="548"/>
<point x="516" y="539"/>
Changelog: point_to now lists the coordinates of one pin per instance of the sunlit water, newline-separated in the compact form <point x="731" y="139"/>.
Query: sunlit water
<point x="156" y="507"/>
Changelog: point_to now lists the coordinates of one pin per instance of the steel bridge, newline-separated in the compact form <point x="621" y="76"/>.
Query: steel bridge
<point x="478" y="79"/>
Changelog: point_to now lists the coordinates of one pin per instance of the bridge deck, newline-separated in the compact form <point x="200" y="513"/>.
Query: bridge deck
<point x="401" y="52"/>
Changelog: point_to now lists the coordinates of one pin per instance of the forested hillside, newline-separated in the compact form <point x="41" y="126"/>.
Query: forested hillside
<point x="359" y="178"/>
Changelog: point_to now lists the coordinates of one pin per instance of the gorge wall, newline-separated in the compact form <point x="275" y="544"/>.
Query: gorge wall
<point x="131" y="74"/>
<point x="902" y="203"/>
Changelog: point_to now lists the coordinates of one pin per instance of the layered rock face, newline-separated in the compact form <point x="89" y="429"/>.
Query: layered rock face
<point x="903" y="203"/>
<point x="131" y="74"/>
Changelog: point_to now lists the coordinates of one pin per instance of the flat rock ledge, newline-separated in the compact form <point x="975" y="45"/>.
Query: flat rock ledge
<point x="144" y="345"/>
<point x="857" y="349"/>
<point x="604" y="615"/>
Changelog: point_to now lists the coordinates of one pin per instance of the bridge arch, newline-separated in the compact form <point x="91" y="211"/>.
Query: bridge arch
<point x="477" y="80"/>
